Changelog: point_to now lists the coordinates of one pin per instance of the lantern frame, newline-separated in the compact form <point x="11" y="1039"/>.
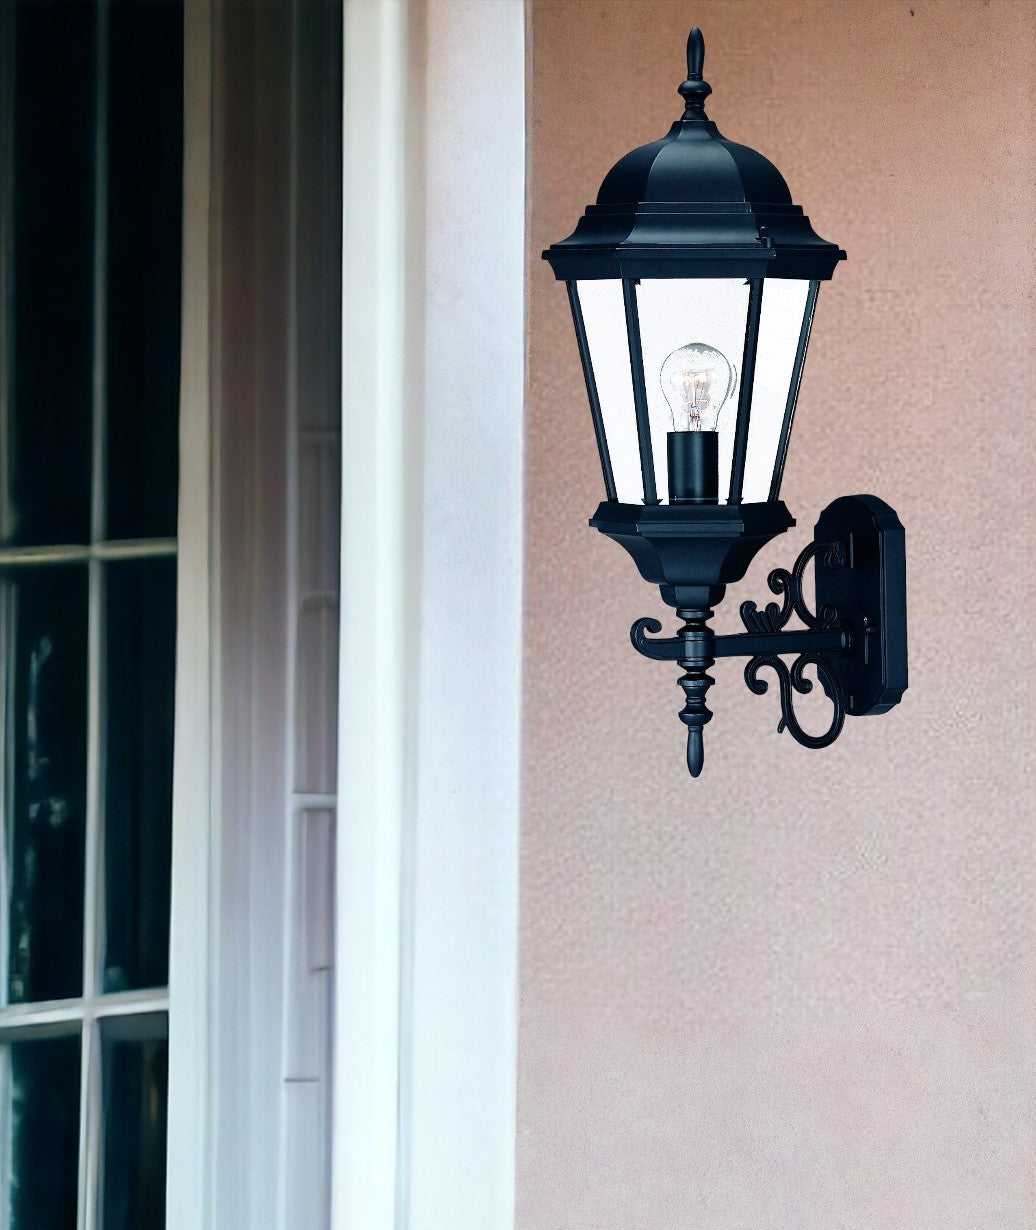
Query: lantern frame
<point x="696" y="206"/>
<point x="748" y="395"/>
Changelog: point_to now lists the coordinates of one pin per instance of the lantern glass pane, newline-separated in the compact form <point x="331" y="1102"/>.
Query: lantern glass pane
<point x="706" y="313"/>
<point x="780" y="325"/>
<point x="604" y="317"/>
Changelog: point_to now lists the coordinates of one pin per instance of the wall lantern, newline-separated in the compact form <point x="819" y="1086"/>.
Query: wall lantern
<point x="693" y="281"/>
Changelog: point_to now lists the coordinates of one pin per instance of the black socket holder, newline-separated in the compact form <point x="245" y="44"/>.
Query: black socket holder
<point x="693" y="467"/>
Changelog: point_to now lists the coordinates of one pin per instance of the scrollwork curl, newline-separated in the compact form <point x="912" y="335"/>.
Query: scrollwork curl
<point x="794" y="680"/>
<point x="772" y="618"/>
<point x="662" y="649"/>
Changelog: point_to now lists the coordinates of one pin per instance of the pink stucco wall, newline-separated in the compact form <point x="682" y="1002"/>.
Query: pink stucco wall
<point x="801" y="991"/>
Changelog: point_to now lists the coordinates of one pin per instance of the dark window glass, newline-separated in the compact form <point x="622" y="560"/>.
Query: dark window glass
<point x="145" y="171"/>
<point x="134" y="1058"/>
<point x="44" y="1117"/>
<point x="43" y="622"/>
<point x="139" y="674"/>
<point x="49" y="429"/>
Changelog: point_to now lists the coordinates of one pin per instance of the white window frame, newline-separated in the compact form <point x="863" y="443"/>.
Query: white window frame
<point x="193" y="969"/>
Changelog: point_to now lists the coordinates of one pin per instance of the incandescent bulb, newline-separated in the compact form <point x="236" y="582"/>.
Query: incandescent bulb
<point x="697" y="381"/>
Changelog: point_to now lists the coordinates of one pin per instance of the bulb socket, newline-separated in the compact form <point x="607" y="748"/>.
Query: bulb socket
<point x="693" y="467"/>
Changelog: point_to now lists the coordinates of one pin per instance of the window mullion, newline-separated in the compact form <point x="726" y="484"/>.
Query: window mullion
<point x="24" y="1020"/>
<point x="100" y="277"/>
<point x="89" y="1125"/>
<point x="93" y="901"/>
<point x="93" y="897"/>
<point x="78" y="553"/>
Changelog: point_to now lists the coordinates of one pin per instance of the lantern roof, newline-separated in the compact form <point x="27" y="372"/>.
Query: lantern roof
<point x="694" y="205"/>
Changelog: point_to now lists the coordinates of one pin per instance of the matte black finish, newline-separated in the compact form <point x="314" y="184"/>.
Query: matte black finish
<point x="694" y="90"/>
<point x="772" y="619"/>
<point x="698" y="640"/>
<point x="693" y="459"/>
<point x="855" y="639"/>
<point x="692" y="551"/>
<point x="870" y="598"/>
<point x="739" y="645"/>
<point x="694" y="205"/>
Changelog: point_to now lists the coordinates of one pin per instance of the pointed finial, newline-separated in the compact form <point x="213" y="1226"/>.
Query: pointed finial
<point x="694" y="90"/>
<point x="695" y="54"/>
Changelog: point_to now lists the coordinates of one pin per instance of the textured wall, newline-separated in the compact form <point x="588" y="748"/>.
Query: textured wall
<point x="801" y="991"/>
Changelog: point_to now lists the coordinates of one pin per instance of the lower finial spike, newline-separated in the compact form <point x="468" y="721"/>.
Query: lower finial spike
<point x="695" y="751"/>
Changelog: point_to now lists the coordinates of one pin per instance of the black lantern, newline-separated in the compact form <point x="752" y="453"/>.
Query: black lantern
<point x="693" y="281"/>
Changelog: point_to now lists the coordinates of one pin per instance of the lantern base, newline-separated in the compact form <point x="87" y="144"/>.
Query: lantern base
<point x="692" y="551"/>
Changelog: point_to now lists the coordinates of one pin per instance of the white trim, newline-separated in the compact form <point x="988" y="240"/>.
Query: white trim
<point x="462" y="1010"/>
<point x="433" y="288"/>
<point x="193" y="961"/>
<point x="373" y="711"/>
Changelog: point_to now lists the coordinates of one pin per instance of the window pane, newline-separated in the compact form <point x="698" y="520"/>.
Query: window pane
<point x="43" y="620"/>
<point x="145" y="171"/>
<point x="140" y="665"/>
<point x="135" y="1060"/>
<point x="42" y="1098"/>
<point x="49" y="429"/>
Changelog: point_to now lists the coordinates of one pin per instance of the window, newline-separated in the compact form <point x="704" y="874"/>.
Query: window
<point x="90" y="247"/>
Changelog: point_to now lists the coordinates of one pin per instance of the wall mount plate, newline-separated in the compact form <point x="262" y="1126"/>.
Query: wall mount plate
<point x="869" y="594"/>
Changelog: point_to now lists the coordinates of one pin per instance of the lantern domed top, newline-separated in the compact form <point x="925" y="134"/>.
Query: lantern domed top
<point x="694" y="205"/>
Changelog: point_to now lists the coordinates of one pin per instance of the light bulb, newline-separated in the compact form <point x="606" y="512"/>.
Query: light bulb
<point x="697" y="381"/>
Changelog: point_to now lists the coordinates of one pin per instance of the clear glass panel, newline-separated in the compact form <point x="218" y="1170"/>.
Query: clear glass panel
<point x="42" y="1104"/>
<point x="46" y="429"/>
<point x="604" y="316"/>
<point x="43" y="620"/>
<point x="139" y="680"/>
<point x="784" y="305"/>
<point x="135" y="1062"/>
<point x="709" y="312"/>
<point x="145" y="172"/>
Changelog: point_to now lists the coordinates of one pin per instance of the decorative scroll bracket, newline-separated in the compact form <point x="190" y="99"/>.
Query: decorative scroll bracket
<point x="855" y="639"/>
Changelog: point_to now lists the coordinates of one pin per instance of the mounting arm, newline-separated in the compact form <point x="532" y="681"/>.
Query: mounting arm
<point x="855" y="639"/>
